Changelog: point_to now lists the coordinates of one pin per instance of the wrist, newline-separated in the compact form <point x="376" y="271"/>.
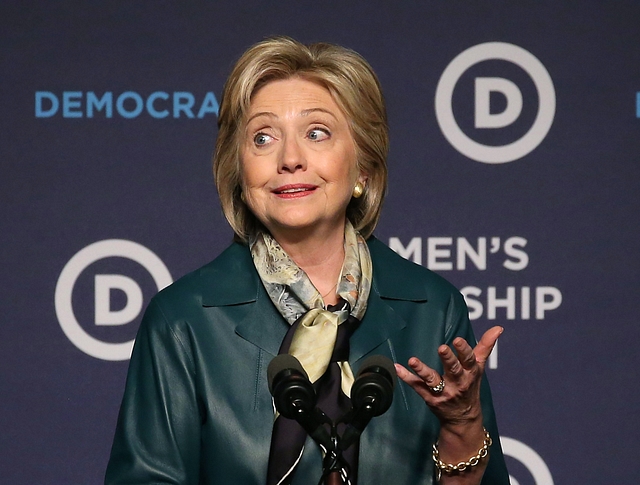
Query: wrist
<point x="472" y="465"/>
<point x="460" y="440"/>
<point x="462" y="428"/>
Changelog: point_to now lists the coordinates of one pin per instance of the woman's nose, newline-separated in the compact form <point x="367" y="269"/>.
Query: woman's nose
<point x="291" y="156"/>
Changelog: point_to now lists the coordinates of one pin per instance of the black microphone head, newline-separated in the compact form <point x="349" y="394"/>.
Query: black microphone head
<point x="379" y="364"/>
<point x="374" y="385"/>
<point x="290" y="387"/>
<point x="282" y="362"/>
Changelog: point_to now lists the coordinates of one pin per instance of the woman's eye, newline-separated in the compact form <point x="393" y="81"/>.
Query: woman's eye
<point x="261" y="139"/>
<point x="318" y="134"/>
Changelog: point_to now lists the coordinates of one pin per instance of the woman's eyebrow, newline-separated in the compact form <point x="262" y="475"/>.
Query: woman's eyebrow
<point x="307" y="112"/>
<point x="262" y="113"/>
<point x="304" y="112"/>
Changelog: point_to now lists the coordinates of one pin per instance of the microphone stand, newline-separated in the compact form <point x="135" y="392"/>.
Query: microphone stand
<point x="356" y="421"/>
<point x="332" y="463"/>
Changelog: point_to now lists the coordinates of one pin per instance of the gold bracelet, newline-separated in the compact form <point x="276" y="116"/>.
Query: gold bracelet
<point x="463" y="465"/>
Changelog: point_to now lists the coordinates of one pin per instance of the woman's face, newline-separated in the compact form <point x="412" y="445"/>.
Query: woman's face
<point x="298" y="159"/>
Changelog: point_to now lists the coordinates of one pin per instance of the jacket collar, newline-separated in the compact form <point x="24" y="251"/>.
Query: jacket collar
<point x="231" y="280"/>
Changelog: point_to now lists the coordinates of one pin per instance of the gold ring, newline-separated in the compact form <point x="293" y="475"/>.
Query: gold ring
<point x="439" y="388"/>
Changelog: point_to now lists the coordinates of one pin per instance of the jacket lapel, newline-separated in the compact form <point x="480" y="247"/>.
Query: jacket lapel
<point x="381" y="322"/>
<point x="263" y="326"/>
<point x="231" y="280"/>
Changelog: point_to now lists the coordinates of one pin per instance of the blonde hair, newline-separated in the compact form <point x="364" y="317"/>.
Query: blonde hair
<point x="355" y="88"/>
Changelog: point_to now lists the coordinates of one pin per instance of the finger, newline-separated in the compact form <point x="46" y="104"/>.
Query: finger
<point x="408" y="377"/>
<point x="486" y="344"/>
<point x="416" y="383"/>
<point x="450" y="362"/>
<point x="426" y="374"/>
<point x="465" y="353"/>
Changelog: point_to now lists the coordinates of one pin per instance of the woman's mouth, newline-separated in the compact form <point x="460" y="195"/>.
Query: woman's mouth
<point x="291" y="191"/>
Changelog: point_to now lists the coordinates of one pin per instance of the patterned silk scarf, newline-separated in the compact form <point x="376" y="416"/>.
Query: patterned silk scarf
<point x="316" y="338"/>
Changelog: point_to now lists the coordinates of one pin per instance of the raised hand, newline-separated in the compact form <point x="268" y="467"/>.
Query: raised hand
<point x="455" y="396"/>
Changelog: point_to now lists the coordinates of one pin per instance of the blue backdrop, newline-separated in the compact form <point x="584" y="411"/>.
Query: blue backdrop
<point x="515" y="142"/>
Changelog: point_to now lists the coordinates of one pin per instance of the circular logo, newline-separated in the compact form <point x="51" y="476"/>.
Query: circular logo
<point x="529" y="458"/>
<point x="546" y="102"/>
<point x="74" y="268"/>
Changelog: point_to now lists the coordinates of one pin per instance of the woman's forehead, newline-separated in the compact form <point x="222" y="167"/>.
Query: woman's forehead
<point x="293" y="97"/>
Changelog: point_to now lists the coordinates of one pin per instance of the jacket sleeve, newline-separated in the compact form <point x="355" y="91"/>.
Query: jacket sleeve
<point x="458" y="325"/>
<point x="157" y="438"/>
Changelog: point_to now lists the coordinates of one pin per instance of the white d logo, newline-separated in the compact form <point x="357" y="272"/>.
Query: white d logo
<point x="529" y="458"/>
<point x="483" y="87"/>
<point x="103" y="285"/>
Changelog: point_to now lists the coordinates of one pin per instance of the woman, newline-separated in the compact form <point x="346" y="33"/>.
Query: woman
<point x="300" y="167"/>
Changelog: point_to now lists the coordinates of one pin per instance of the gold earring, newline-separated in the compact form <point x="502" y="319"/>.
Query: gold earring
<point x="358" y="190"/>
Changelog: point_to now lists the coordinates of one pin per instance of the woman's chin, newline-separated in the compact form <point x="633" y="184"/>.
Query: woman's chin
<point x="303" y="226"/>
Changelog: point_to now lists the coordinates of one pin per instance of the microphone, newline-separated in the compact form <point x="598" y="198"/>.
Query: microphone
<point x="295" y="398"/>
<point x="290" y="386"/>
<point x="371" y="395"/>
<point x="374" y="384"/>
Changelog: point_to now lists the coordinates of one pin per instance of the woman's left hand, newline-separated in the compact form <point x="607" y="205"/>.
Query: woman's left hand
<point x="459" y="402"/>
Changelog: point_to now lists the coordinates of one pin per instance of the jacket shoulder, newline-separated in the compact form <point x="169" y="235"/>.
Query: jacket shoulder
<point x="221" y="281"/>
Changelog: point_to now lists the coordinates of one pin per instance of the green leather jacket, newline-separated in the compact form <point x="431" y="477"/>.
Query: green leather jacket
<point x="197" y="409"/>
